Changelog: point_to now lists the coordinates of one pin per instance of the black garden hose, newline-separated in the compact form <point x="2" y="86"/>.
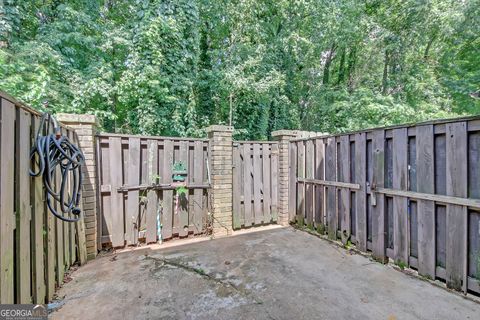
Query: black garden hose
<point x="53" y="152"/>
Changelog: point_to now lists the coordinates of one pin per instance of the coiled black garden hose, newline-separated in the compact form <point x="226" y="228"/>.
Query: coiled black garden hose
<point x="52" y="152"/>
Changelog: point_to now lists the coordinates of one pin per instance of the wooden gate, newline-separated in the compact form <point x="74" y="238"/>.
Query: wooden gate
<point x="409" y="193"/>
<point x="255" y="183"/>
<point x="139" y="199"/>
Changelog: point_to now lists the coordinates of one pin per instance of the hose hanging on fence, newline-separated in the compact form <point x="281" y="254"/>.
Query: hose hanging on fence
<point x="55" y="151"/>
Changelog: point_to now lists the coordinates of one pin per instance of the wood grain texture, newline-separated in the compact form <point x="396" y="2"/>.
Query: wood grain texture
<point x="360" y="178"/>
<point x="38" y="221"/>
<point x="331" y="175"/>
<point x="266" y="183"/>
<point x="426" y="209"/>
<point x="319" y="175"/>
<point x="133" y="205"/>
<point x="309" y="170"/>
<point x="301" y="174"/>
<point x="23" y="209"/>
<point x="292" y="181"/>
<point x="378" y="208"/>
<point x="116" y="225"/>
<point x="7" y="217"/>
<point x="274" y="168"/>
<point x="198" y="173"/>
<point x="248" y="185"/>
<point x="344" y="176"/>
<point x="183" y="199"/>
<point x="167" y="201"/>
<point x="456" y="180"/>
<point x="152" y="196"/>
<point x="400" y="204"/>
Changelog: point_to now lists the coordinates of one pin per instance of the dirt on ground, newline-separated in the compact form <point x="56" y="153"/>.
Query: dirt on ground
<point x="279" y="273"/>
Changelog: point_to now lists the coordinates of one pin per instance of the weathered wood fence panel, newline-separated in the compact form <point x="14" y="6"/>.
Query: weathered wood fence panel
<point x="409" y="193"/>
<point x="139" y="199"/>
<point x="255" y="183"/>
<point x="35" y="248"/>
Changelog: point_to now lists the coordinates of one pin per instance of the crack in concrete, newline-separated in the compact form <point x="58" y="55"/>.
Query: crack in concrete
<point x="203" y="274"/>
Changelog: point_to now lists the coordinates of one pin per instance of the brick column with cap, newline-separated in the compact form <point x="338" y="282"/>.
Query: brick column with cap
<point x="283" y="137"/>
<point x="221" y="149"/>
<point x="85" y="126"/>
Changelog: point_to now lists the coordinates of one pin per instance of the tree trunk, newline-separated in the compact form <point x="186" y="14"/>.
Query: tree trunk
<point x="352" y="58"/>
<point x="328" y="63"/>
<point x="341" y="68"/>
<point x="385" y="73"/>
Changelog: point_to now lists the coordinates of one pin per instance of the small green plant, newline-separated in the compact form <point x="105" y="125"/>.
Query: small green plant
<point x="200" y="271"/>
<point x="402" y="265"/>
<point x="154" y="178"/>
<point x="348" y="244"/>
<point x="181" y="191"/>
<point x="321" y="228"/>
<point x="300" y="221"/>
<point x="310" y="226"/>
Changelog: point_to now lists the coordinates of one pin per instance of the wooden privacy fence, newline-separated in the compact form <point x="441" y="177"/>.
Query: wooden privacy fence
<point x="408" y="193"/>
<point x="255" y="183"/>
<point x="35" y="248"/>
<point x="138" y="196"/>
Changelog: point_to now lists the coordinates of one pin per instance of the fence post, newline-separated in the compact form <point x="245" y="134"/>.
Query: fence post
<point x="283" y="137"/>
<point x="85" y="126"/>
<point x="220" y="158"/>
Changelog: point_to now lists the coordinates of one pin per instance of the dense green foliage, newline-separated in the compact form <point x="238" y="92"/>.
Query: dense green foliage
<point x="171" y="67"/>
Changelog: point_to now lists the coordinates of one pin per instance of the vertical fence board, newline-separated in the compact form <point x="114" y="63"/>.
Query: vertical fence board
<point x="38" y="262"/>
<point x="474" y="216"/>
<point x="377" y="201"/>
<point x="197" y="214"/>
<point x="183" y="200"/>
<point x="309" y="170"/>
<point x="274" y="181"/>
<point x="456" y="179"/>
<point x="22" y="207"/>
<point x="167" y="210"/>
<point x="266" y="183"/>
<point x="319" y="174"/>
<point x="301" y="185"/>
<point x="133" y="178"/>
<point x="330" y="175"/>
<point x="59" y="263"/>
<point x="400" y="204"/>
<point x="236" y="188"/>
<point x="257" y="184"/>
<point x="344" y="176"/>
<point x="7" y="217"/>
<point x="50" y="252"/>
<point x="292" y="181"/>
<point x="247" y="183"/>
<point x="116" y="204"/>
<point x="360" y="178"/>
<point x="426" y="209"/>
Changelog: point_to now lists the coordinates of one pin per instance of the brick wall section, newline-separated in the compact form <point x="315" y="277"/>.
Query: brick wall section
<point x="283" y="137"/>
<point x="221" y="148"/>
<point x="85" y="127"/>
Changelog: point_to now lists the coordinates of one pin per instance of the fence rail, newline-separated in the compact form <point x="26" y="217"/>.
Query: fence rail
<point x="35" y="248"/>
<point x="255" y="183"/>
<point x="137" y="188"/>
<point x="409" y="193"/>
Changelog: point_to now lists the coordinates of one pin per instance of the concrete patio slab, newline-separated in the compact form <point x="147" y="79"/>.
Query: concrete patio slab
<point x="271" y="274"/>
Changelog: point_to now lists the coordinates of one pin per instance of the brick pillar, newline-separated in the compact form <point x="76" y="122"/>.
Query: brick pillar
<point x="85" y="126"/>
<point x="283" y="137"/>
<point x="220" y="158"/>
